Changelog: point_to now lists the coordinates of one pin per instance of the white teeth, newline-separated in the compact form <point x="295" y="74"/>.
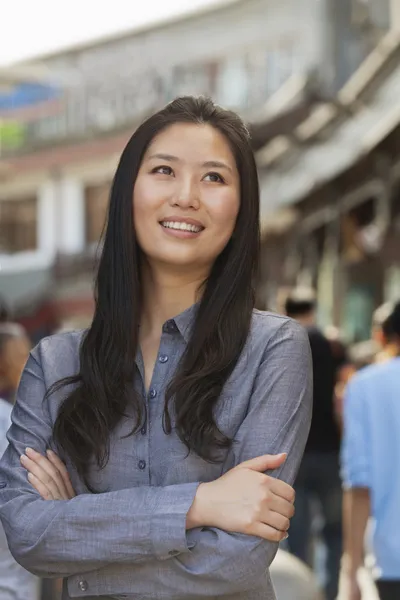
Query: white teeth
<point x="181" y="226"/>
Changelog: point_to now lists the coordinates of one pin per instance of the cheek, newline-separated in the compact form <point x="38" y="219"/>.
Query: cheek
<point x="224" y="213"/>
<point x="143" y="206"/>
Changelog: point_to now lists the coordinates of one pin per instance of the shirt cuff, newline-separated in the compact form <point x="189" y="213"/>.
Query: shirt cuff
<point x="168" y="524"/>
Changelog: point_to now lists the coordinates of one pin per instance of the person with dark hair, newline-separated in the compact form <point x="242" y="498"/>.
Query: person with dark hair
<point x="318" y="479"/>
<point x="165" y="438"/>
<point x="371" y="469"/>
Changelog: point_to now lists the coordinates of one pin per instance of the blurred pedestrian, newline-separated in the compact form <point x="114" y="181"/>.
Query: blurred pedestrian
<point x="167" y="409"/>
<point x="14" y="350"/>
<point x="344" y="370"/>
<point x="318" y="479"/>
<point x="371" y="469"/>
<point x="15" y="582"/>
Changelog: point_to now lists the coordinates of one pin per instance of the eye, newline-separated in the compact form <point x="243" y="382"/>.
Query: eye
<point x="214" y="178"/>
<point x="163" y="170"/>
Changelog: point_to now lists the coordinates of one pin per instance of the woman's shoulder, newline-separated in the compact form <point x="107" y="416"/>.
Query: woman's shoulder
<point x="60" y="350"/>
<point x="269" y="325"/>
<point x="65" y="339"/>
<point x="274" y="333"/>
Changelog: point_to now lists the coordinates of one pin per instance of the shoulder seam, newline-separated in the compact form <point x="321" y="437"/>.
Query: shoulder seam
<point x="267" y="314"/>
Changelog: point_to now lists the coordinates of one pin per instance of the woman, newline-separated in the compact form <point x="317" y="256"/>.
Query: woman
<point x="165" y="409"/>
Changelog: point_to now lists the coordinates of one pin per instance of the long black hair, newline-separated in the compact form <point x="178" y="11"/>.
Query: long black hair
<point x="103" y="386"/>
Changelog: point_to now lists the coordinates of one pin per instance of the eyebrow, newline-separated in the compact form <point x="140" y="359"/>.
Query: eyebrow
<point x="215" y="164"/>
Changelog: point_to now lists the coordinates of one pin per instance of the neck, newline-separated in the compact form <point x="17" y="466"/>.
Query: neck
<point x="392" y="349"/>
<point x="165" y="295"/>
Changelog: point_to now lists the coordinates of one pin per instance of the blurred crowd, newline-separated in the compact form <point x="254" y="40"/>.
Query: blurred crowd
<point x="348" y="476"/>
<point x="343" y="483"/>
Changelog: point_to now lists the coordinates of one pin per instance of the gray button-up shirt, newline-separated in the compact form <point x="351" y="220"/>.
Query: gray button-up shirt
<point x="129" y="540"/>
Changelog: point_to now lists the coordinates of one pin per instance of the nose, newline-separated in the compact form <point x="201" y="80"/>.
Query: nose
<point x="186" y="195"/>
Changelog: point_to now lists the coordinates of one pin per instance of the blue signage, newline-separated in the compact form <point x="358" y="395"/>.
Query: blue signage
<point x="25" y="95"/>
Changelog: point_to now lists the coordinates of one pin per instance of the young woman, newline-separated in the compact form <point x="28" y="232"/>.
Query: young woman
<point x="169" y="410"/>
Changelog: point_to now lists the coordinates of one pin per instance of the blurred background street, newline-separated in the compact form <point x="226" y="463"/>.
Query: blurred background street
<point x="317" y="82"/>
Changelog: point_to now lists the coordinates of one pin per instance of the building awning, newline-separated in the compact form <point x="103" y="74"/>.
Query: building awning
<point x="336" y="135"/>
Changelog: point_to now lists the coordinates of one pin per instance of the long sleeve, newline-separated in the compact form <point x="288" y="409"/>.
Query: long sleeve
<point x="124" y="542"/>
<point x="54" y="538"/>
<point x="227" y="564"/>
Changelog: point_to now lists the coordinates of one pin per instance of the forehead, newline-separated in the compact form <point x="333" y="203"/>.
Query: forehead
<point x="192" y="142"/>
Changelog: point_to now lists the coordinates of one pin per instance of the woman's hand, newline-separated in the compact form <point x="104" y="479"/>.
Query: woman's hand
<point x="245" y="500"/>
<point x="48" y="475"/>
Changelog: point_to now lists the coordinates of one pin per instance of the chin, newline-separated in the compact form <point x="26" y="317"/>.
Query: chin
<point x="179" y="261"/>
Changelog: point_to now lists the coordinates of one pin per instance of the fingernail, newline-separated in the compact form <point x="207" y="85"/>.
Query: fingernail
<point x="286" y="536"/>
<point x="49" y="452"/>
<point x="22" y="458"/>
<point x="29" y="451"/>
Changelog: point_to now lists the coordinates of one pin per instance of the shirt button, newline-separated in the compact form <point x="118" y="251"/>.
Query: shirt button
<point x="142" y="465"/>
<point x="152" y="393"/>
<point x="163" y="358"/>
<point x="83" y="585"/>
<point x="143" y="431"/>
<point x="169" y="327"/>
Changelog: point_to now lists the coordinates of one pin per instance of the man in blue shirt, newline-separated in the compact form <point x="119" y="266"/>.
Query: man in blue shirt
<point x="371" y="470"/>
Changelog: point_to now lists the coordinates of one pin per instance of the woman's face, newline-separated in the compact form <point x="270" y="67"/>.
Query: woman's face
<point x="186" y="196"/>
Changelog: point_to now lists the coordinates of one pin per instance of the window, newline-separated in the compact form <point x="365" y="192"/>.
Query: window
<point x="96" y="204"/>
<point x="18" y="225"/>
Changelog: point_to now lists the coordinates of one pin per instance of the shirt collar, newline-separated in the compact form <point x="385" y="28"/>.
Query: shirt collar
<point x="185" y="321"/>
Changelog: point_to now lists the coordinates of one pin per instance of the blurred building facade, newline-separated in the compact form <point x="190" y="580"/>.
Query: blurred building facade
<point x="275" y="63"/>
<point x="335" y="223"/>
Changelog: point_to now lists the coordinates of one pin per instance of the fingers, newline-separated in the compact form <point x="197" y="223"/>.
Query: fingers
<point x="45" y="472"/>
<point x="277" y="521"/>
<point x="268" y="533"/>
<point x="40" y="487"/>
<point x="62" y="469"/>
<point x="263" y="463"/>
<point x="282" y="489"/>
<point x="282" y="506"/>
<point x="50" y="469"/>
<point x="40" y="475"/>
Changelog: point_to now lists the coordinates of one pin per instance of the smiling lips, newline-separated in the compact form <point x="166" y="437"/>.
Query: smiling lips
<point x="185" y="226"/>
